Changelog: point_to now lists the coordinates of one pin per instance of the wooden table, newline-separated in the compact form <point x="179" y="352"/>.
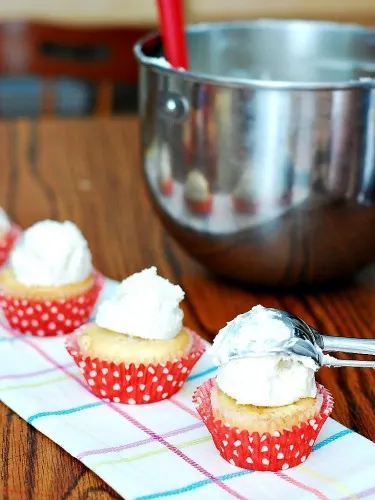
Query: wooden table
<point x="89" y="171"/>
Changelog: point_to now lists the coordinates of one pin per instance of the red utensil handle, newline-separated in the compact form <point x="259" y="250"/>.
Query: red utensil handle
<point x="171" y="19"/>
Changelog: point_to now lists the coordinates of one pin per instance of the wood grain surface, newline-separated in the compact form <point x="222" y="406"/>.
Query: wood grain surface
<point x="89" y="171"/>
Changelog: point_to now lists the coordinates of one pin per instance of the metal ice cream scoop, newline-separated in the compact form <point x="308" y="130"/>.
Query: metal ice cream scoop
<point x="306" y="341"/>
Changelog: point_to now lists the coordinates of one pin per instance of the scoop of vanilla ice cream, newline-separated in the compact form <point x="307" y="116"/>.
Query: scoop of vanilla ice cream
<point x="196" y="186"/>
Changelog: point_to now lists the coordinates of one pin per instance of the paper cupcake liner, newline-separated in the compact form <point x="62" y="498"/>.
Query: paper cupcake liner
<point x="200" y="207"/>
<point x="50" y="318"/>
<point x="274" y="451"/>
<point x="135" y="384"/>
<point x="7" y="243"/>
<point x="166" y="187"/>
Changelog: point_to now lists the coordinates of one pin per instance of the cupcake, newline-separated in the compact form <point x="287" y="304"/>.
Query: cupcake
<point x="137" y="351"/>
<point x="264" y="410"/>
<point x="9" y="232"/>
<point x="49" y="286"/>
<point x="197" y="193"/>
<point x="165" y="179"/>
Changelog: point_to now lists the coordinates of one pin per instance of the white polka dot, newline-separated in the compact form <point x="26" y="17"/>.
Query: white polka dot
<point x="47" y="303"/>
<point x="24" y="323"/>
<point x="297" y="454"/>
<point x="45" y="317"/>
<point x="116" y="387"/>
<point x="126" y="367"/>
<point x="154" y="379"/>
<point x="34" y="322"/>
<point x="311" y="442"/>
<point x="170" y="377"/>
<point x="93" y="364"/>
<point x="140" y="374"/>
<point x="24" y="303"/>
<point x="276" y="434"/>
<point x="82" y="312"/>
<point x="174" y="383"/>
<point x="104" y="381"/>
<point x="74" y="310"/>
<point x="129" y="389"/>
<point x="40" y="333"/>
<point x="142" y="387"/>
<point x="291" y="447"/>
<point x="14" y="320"/>
<point x="231" y="461"/>
<point x="127" y="378"/>
<point x="264" y="449"/>
<point x="285" y="466"/>
<point x="102" y="392"/>
<point x="20" y="313"/>
<point x="159" y="388"/>
<point x="165" y="370"/>
<point x="107" y="400"/>
<point x="164" y="395"/>
<point x="116" y="399"/>
<point x="237" y="443"/>
<point x="302" y="436"/>
<point x="263" y="438"/>
<point x="52" y="326"/>
<point x="179" y="366"/>
<point x="265" y="461"/>
<point x="277" y="446"/>
<point x="76" y="322"/>
<point x="38" y="307"/>
<point x="303" y="459"/>
<point x="54" y="309"/>
<point x="60" y="317"/>
<point x="29" y="311"/>
<point x="131" y="401"/>
<point x="235" y="453"/>
<point x="81" y="300"/>
<point x="280" y="456"/>
<point x="184" y="369"/>
<point x="16" y="302"/>
<point x="250" y="449"/>
<point x="116" y="374"/>
<point x="249" y="460"/>
<point x="90" y="381"/>
<point x="146" y="397"/>
<point x="104" y="371"/>
<point x="180" y="383"/>
<point x="82" y="364"/>
<point x="68" y="322"/>
<point x="150" y="370"/>
<point x="93" y="373"/>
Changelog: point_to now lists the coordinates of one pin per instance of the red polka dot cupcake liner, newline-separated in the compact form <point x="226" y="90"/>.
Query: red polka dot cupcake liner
<point x="8" y="242"/>
<point x="50" y="318"/>
<point x="278" y="450"/>
<point x="135" y="384"/>
<point x="166" y="187"/>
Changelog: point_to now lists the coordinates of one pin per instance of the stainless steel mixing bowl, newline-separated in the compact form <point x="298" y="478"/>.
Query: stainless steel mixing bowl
<point x="260" y="159"/>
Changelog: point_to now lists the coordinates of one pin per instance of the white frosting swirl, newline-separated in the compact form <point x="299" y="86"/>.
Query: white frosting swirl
<point x="51" y="254"/>
<point x="5" y="223"/>
<point x="145" y="305"/>
<point x="255" y="366"/>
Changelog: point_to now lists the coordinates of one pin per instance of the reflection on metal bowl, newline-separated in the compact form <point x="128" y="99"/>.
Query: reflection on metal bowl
<point x="260" y="160"/>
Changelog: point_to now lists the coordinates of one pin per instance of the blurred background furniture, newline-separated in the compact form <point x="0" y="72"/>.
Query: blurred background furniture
<point x="74" y="57"/>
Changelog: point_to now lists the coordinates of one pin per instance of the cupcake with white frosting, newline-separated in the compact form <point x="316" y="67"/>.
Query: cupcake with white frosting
<point x="264" y="409"/>
<point x="137" y="351"/>
<point x="49" y="286"/>
<point x="9" y="232"/>
<point x="243" y="194"/>
<point x="197" y="193"/>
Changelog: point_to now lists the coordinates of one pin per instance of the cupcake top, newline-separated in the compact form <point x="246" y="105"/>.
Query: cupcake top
<point x="51" y="254"/>
<point x="5" y="223"/>
<point x="196" y="186"/>
<point x="145" y="305"/>
<point x="255" y="366"/>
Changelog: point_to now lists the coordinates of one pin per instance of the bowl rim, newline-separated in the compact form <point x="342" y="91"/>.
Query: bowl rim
<point x="236" y="82"/>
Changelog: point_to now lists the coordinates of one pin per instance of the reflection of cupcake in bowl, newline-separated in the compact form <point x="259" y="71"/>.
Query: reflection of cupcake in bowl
<point x="264" y="410"/>
<point x="49" y="286"/>
<point x="242" y="196"/>
<point x="197" y="193"/>
<point x="137" y="351"/>
<point x="9" y="232"/>
<point x="165" y="178"/>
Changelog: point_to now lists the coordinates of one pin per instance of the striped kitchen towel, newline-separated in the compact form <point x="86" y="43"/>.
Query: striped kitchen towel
<point x="164" y="451"/>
